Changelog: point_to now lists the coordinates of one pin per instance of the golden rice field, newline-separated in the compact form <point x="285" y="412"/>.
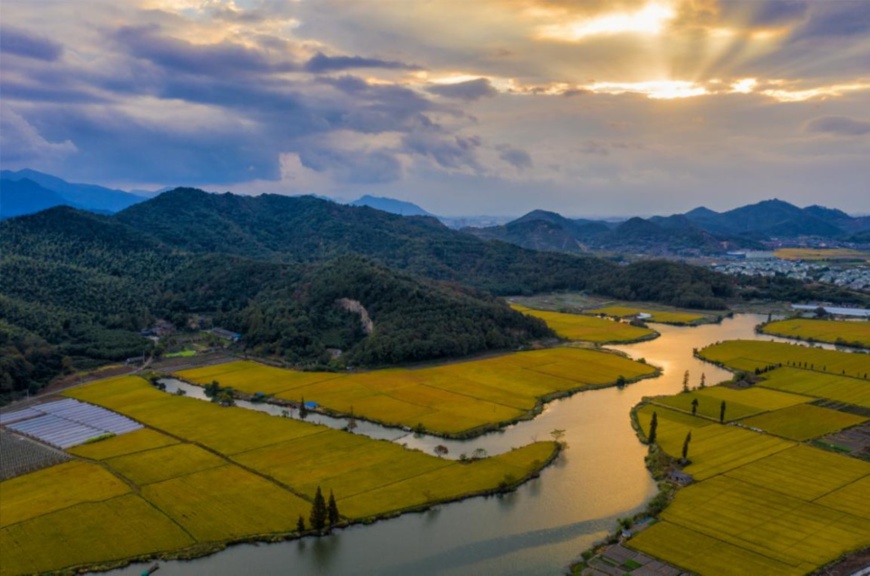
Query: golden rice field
<point x="88" y="533"/>
<point x="819" y="384"/>
<point x="588" y="328"/>
<point x="738" y="403"/>
<point x="449" y="399"/>
<point x="831" y="331"/>
<point x="791" y="534"/>
<point x="821" y="254"/>
<point x="657" y="315"/>
<point x="803" y="422"/>
<point x="714" y="449"/>
<point x="227" y="474"/>
<point x="748" y="355"/>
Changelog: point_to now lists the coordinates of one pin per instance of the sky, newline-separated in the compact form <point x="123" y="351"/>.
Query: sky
<point x="499" y="107"/>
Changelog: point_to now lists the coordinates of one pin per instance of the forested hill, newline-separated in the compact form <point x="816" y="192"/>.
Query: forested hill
<point x="76" y="289"/>
<point x="307" y="229"/>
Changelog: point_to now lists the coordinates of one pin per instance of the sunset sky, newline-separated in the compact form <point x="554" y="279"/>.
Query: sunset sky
<point x="584" y="107"/>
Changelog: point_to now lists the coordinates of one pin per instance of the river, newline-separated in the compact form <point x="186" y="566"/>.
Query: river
<point x="538" y="529"/>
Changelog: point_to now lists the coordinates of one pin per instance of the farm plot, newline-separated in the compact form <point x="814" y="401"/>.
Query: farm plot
<point x="26" y="497"/>
<point x="252" y="377"/>
<point x="164" y="463"/>
<point x="704" y="554"/>
<point x="776" y="525"/>
<point x="803" y="472"/>
<point x="114" y="529"/>
<point x="747" y="355"/>
<point x="820" y="385"/>
<point x="803" y="422"/>
<point x="738" y="403"/>
<point x="138" y="441"/>
<point x="714" y="448"/>
<point x="225" y="503"/>
<point x="20" y="455"/>
<point x="833" y="331"/>
<point x="449" y="399"/>
<point x="851" y="498"/>
<point x="588" y="328"/>
<point x="655" y="315"/>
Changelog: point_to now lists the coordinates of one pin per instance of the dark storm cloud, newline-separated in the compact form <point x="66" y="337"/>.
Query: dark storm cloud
<point x="470" y="90"/>
<point x="452" y="152"/>
<point x="210" y="59"/>
<point x="320" y="62"/>
<point x="838" y="126"/>
<point x="519" y="159"/>
<point x="23" y="43"/>
<point x="353" y="167"/>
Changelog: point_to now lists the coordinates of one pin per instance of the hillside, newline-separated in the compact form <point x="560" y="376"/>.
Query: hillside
<point x="19" y="197"/>
<point x="86" y="196"/>
<point x="390" y="205"/>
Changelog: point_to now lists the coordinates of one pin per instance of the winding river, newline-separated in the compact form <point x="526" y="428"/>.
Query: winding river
<point x="538" y="529"/>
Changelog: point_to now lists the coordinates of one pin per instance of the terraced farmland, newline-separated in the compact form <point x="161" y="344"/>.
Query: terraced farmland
<point x="449" y="399"/>
<point x="588" y="328"/>
<point x="832" y="331"/>
<point x="204" y="474"/>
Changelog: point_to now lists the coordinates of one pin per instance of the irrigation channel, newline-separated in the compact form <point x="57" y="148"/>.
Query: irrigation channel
<point x="538" y="529"/>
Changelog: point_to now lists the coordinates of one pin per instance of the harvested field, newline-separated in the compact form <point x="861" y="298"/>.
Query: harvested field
<point x="832" y="331"/>
<point x="449" y="399"/>
<point x="588" y="328"/>
<point x="803" y="422"/>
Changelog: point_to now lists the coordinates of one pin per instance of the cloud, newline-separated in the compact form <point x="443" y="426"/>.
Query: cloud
<point x="23" y="43"/>
<point x="22" y="144"/>
<point x="353" y="167"/>
<point x="843" y="18"/>
<point x="519" y="159"/>
<point x="838" y="126"/>
<point x="452" y="152"/>
<point x="470" y="90"/>
<point x="218" y="59"/>
<point x="320" y="62"/>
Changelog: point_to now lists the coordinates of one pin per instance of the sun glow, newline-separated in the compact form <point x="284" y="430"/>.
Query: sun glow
<point x="655" y="89"/>
<point x="649" y="20"/>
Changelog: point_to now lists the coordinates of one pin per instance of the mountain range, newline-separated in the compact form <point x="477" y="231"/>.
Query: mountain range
<point x="28" y="191"/>
<point x="696" y="233"/>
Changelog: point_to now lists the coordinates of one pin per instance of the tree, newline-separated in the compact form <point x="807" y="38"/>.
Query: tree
<point x="703" y="379"/>
<point x="303" y="411"/>
<point x="686" y="381"/>
<point x="653" y="426"/>
<point x="686" y="444"/>
<point x="441" y="450"/>
<point x="620" y="382"/>
<point x="694" y="406"/>
<point x="722" y="412"/>
<point x="332" y="510"/>
<point x="318" y="515"/>
<point x="300" y="524"/>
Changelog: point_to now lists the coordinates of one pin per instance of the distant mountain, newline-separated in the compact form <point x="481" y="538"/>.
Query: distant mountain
<point x="770" y="218"/>
<point x="390" y="205"/>
<point x="18" y="197"/>
<point x="542" y="230"/>
<point x="87" y="196"/>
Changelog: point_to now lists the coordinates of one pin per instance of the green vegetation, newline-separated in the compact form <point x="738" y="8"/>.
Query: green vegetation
<point x="833" y="331"/>
<point x="231" y="475"/>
